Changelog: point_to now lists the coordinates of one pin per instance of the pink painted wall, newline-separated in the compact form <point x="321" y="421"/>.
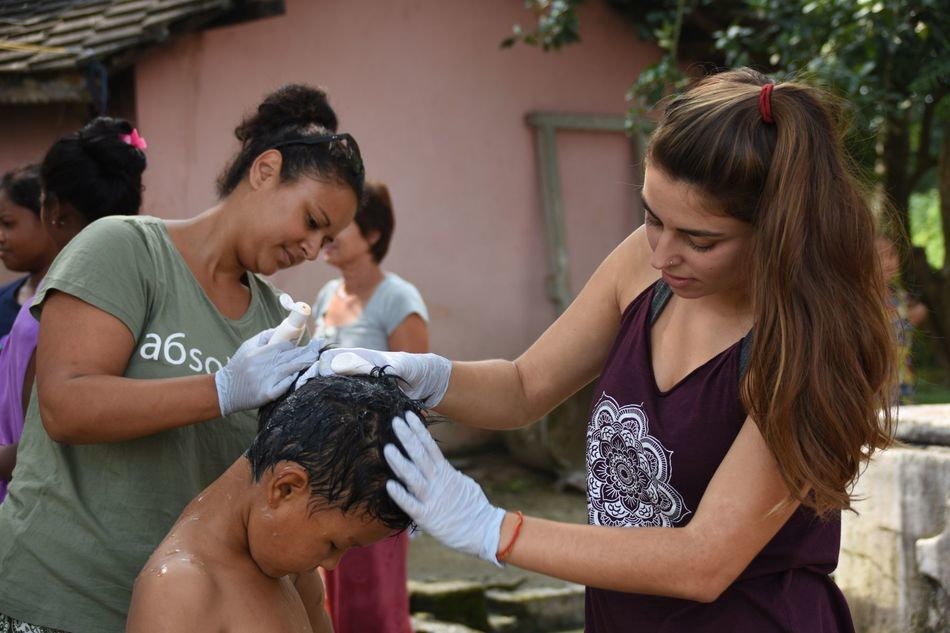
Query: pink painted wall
<point x="438" y="109"/>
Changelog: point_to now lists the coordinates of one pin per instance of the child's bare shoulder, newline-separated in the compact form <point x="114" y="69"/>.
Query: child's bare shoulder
<point x="174" y="592"/>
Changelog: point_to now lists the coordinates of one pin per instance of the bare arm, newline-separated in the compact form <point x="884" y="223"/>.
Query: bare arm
<point x="412" y="335"/>
<point x="7" y="461"/>
<point x="80" y="359"/>
<point x="498" y="394"/>
<point x="28" y="379"/>
<point x="313" y="595"/>
<point x="8" y="452"/>
<point x="696" y="562"/>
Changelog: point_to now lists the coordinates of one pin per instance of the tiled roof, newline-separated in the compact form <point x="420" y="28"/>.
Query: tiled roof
<point x="43" y="36"/>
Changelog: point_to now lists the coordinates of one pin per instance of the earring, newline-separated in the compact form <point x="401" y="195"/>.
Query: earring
<point x="669" y="263"/>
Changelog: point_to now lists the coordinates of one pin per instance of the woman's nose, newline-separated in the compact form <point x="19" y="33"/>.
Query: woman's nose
<point x="663" y="254"/>
<point x="310" y="250"/>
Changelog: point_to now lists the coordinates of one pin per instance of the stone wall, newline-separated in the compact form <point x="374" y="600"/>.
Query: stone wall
<point x="895" y="553"/>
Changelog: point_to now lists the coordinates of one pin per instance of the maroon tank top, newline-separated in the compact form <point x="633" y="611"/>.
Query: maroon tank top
<point x="650" y="456"/>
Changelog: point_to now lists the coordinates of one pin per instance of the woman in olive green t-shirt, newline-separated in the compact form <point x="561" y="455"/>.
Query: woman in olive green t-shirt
<point x="138" y="406"/>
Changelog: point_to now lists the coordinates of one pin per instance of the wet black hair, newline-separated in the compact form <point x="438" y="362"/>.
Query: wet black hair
<point x="22" y="186"/>
<point x="376" y="214"/>
<point x="295" y="112"/>
<point x="335" y="427"/>
<point x="95" y="171"/>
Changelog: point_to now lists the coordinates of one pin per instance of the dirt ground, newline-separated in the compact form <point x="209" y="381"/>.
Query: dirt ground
<point x="511" y="486"/>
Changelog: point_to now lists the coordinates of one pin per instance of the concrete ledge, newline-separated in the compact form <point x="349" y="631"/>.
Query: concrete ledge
<point x="538" y="610"/>
<point x="426" y="623"/>
<point x="924" y="424"/>
<point x="894" y="565"/>
<point x="456" y="601"/>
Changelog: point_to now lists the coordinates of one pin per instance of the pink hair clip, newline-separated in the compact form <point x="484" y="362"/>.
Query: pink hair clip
<point x="133" y="139"/>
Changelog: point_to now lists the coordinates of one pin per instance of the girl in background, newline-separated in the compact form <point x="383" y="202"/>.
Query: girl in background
<point x="25" y="245"/>
<point x="86" y="175"/>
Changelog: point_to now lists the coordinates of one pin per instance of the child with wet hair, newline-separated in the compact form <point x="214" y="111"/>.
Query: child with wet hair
<point x="311" y="486"/>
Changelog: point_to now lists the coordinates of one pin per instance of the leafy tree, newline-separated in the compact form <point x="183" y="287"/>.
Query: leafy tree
<point x="891" y="58"/>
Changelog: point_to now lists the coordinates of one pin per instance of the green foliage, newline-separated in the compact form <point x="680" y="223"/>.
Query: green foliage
<point x="556" y="25"/>
<point x="925" y="223"/>
<point x="891" y="58"/>
<point x="888" y="57"/>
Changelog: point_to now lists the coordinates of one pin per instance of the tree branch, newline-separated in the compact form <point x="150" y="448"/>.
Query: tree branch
<point x="924" y="161"/>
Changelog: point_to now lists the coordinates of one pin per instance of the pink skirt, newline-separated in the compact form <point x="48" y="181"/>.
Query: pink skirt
<point x="367" y="591"/>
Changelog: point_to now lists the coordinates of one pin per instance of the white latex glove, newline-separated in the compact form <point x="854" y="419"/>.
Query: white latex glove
<point x="259" y="373"/>
<point x="444" y="502"/>
<point x="425" y="376"/>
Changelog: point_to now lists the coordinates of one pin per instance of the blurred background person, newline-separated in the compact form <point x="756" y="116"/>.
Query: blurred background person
<point x="85" y="176"/>
<point x="907" y="312"/>
<point x="25" y="245"/>
<point x="376" y="309"/>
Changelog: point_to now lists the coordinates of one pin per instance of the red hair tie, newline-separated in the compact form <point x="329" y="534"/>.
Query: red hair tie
<point x="765" y="103"/>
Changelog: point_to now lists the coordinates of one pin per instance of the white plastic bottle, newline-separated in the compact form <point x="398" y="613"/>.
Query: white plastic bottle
<point x="291" y="328"/>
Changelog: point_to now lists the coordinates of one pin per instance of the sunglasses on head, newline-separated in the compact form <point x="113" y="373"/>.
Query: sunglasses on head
<point x="343" y="143"/>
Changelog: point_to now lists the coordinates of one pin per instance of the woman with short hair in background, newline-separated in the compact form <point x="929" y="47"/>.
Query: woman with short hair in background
<point x="376" y="309"/>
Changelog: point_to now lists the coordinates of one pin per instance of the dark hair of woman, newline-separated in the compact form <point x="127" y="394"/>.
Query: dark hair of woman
<point x="822" y="364"/>
<point x="95" y="171"/>
<point x="299" y="121"/>
<point x="22" y="186"/>
<point x="375" y="215"/>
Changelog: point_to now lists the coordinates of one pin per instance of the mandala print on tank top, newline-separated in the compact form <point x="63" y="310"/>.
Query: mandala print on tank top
<point x="628" y="470"/>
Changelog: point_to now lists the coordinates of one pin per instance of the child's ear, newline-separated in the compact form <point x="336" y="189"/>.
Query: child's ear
<point x="289" y="483"/>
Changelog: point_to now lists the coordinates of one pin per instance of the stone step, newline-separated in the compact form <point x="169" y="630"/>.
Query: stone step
<point x="503" y="623"/>
<point x="540" y="610"/>
<point x="471" y="607"/>
<point x="458" y="601"/>
<point x="426" y="623"/>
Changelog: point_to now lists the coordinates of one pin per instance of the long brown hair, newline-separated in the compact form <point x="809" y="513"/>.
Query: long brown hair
<point x="821" y="372"/>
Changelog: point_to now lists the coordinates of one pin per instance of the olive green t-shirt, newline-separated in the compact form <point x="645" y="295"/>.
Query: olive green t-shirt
<point x="80" y="520"/>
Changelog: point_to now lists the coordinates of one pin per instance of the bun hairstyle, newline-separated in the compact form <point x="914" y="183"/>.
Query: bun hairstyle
<point x="95" y="171"/>
<point x="822" y="367"/>
<point x="294" y="113"/>
<point x="22" y="186"/>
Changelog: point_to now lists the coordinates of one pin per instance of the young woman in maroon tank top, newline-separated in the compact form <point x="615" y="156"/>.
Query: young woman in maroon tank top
<point x="756" y="222"/>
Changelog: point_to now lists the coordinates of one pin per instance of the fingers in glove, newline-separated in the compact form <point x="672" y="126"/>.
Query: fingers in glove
<point x="406" y="471"/>
<point x="425" y="438"/>
<point x="414" y="447"/>
<point x="348" y="364"/>
<point x="300" y="357"/>
<point x="409" y="504"/>
<point x="281" y="387"/>
<point x="264" y="337"/>
<point x="316" y="344"/>
<point x="313" y="372"/>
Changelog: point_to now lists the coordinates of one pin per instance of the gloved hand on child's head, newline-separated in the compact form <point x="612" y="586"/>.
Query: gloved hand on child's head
<point x="444" y="502"/>
<point x="424" y="377"/>
<point x="259" y="373"/>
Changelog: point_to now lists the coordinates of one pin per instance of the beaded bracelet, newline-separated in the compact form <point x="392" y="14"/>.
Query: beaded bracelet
<point x="505" y="553"/>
